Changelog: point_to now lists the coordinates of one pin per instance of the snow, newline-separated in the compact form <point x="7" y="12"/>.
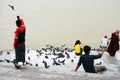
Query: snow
<point x="112" y="63"/>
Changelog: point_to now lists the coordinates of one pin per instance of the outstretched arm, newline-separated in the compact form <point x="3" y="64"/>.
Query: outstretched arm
<point x="102" y="51"/>
<point x="76" y="68"/>
<point x="99" y="55"/>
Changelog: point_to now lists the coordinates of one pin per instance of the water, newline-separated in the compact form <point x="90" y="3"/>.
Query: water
<point x="59" y="22"/>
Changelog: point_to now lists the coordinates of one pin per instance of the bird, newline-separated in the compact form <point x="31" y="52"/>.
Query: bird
<point x="36" y="65"/>
<point x="60" y="55"/>
<point x="8" y="52"/>
<point x="8" y="61"/>
<point x="1" y="61"/>
<point x="28" y="51"/>
<point x="72" y="61"/>
<point x="27" y="63"/>
<point x="39" y="51"/>
<point x="37" y="55"/>
<point x="11" y="7"/>
<point x="98" y="63"/>
<point x="45" y="63"/>
<point x="15" y="64"/>
<point x="55" y="62"/>
<point x="31" y="64"/>
<point x="68" y="56"/>
<point x="28" y="58"/>
<point x="46" y="57"/>
<point x="63" y="61"/>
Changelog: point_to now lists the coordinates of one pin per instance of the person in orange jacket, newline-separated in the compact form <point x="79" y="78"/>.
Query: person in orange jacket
<point x="19" y="42"/>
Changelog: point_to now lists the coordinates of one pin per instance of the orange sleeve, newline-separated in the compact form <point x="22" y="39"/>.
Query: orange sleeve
<point x="15" y="38"/>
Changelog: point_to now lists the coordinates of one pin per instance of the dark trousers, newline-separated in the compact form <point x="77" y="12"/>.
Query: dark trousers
<point x="20" y="53"/>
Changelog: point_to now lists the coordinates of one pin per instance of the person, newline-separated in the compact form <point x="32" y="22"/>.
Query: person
<point x="19" y="43"/>
<point x="114" y="43"/>
<point x="78" y="49"/>
<point x="88" y="61"/>
<point x="104" y="42"/>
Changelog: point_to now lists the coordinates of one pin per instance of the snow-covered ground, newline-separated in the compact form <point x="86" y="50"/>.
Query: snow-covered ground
<point x="63" y="61"/>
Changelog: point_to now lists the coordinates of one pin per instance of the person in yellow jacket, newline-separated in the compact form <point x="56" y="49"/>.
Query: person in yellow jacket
<point x="78" y="48"/>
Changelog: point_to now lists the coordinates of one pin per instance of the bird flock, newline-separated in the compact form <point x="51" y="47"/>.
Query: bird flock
<point x="44" y="57"/>
<point x="50" y="56"/>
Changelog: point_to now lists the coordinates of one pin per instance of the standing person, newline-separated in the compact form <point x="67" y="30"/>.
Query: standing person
<point x="78" y="49"/>
<point x="104" y="42"/>
<point x="19" y="43"/>
<point x="114" y="43"/>
<point x="88" y="61"/>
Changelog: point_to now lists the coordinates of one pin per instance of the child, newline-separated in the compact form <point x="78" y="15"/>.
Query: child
<point x="104" y="42"/>
<point x="78" y="49"/>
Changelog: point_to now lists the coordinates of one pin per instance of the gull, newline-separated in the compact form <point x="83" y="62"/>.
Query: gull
<point x="11" y="7"/>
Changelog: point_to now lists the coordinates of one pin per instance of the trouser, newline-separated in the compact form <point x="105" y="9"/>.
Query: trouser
<point x="100" y="68"/>
<point x="20" y="53"/>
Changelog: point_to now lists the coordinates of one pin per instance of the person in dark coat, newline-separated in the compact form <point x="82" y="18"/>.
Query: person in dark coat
<point x="114" y="43"/>
<point x="87" y="61"/>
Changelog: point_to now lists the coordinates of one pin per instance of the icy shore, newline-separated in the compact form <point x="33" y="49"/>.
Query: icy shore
<point x="8" y="72"/>
<point x="59" y="66"/>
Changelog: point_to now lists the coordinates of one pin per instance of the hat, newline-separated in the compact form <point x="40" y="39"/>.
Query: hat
<point x="105" y="36"/>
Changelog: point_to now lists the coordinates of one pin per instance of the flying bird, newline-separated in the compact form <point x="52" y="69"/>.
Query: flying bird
<point x="11" y="7"/>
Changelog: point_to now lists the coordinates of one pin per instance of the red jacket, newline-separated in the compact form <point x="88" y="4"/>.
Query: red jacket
<point x="22" y="22"/>
<point x="19" y="35"/>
